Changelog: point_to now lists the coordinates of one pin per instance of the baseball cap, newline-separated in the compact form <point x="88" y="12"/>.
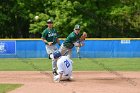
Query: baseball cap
<point x="77" y="26"/>
<point x="49" y="21"/>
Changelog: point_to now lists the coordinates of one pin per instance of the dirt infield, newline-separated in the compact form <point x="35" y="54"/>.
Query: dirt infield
<point x="83" y="82"/>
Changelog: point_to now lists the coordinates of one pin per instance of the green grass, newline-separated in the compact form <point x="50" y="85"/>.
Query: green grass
<point x="85" y="64"/>
<point x="4" y="88"/>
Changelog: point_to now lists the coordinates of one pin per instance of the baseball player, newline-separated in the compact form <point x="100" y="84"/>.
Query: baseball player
<point x="64" y="65"/>
<point x="68" y="44"/>
<point x="50" y="38"/>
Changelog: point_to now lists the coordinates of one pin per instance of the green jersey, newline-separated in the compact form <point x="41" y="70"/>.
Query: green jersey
<point x="72" y="38"/>
<point x="50" y="35"/>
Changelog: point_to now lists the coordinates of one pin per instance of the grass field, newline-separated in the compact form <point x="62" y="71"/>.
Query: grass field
<point x="85" y="64"/>
<point x="4" y="88"/>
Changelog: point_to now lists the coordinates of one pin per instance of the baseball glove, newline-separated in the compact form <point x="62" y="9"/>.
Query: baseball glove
<point x="84" y="35"/>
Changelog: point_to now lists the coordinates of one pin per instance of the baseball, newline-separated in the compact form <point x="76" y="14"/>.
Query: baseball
<point x="36" y="17"/>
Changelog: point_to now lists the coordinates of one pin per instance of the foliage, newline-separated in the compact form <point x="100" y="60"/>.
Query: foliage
<point x="99" y="18"/>
<point x="63" y="14"/>
<point x="14" y="19"/>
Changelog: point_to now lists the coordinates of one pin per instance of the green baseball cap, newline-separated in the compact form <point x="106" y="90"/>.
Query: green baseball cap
<point x="77" y="26"/>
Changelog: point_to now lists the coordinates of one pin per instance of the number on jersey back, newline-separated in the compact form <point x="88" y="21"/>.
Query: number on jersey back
<point x="67" y="63"/>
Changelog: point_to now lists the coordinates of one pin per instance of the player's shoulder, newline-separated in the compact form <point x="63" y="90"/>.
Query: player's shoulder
<point x="63" y="58"/>
<point x="45" y="30"/>
<point x="66" y="58"/>
<point x="71" y="35"/>
<point x="74" y="34"/>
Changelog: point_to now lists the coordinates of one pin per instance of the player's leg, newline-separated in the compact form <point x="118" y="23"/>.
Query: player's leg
<point x="65" y="51"/>
<point x="65" y="76"/>
<point x="54" y="61"/>
<point x="50" y="50"/>
<point x="56" y="78"/>
<point x="68" y="76"/>
<point x="54" y="66"/>
<point x="69" y="53"/>
<point x="78" y="51"/>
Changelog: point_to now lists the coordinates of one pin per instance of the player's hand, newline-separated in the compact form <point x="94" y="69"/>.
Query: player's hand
<point x="50" y="43"/>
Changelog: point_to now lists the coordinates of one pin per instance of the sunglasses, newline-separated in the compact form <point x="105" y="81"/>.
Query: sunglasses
<point x="77" y="29"/>
<point x="49" y="23"/>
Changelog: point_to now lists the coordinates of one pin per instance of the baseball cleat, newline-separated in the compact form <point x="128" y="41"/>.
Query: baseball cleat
<point x="54" y="72"/>
<point x="71" y="78"/>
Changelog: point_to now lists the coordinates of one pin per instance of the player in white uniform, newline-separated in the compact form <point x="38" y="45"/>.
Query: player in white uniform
<point x="64" y="65"/>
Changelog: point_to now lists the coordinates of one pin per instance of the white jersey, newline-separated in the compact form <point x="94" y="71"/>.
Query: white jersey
<point x="64" y="65"/>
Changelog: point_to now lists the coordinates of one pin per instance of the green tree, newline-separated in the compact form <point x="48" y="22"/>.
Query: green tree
<point x="61" y="11"/>
<point x="14" y="19"/>
<point x="99" y="18"/>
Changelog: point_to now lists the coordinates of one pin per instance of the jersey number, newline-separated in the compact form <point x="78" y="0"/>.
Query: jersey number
<point x="67" y="63"/>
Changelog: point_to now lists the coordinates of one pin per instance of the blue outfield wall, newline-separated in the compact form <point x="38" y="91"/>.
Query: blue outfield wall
<point x="92" y="49"/>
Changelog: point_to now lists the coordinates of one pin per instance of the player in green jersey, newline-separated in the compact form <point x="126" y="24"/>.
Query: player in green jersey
<point x="68" y="44"/>
<point x="50" y="38"/>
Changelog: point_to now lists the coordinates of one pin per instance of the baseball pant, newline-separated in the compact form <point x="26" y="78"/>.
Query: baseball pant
<point x="50" y="50"/>
<point x="69" y="77"/>
<point x="65" y="51"/>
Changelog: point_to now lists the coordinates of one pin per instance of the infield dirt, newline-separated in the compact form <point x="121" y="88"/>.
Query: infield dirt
<point x="83" y="82"/>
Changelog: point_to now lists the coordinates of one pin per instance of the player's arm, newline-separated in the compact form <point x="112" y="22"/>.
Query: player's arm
<point x="44" y="40"/>
<point x="60" y="71"/>
<point x="60" y="76"/>
<point x="80" y="41"/>
<point x="82" y="38"/>
<point x="58" y="41"/>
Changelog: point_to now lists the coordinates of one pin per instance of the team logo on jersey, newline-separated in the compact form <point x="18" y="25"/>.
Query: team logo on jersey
<point x="2" y="47"/>
<point x="52" y="34"/>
